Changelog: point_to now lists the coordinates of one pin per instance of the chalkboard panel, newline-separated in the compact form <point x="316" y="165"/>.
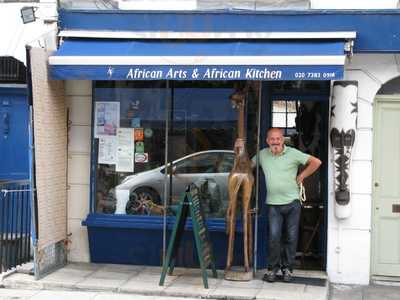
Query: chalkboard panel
<point x="190" y="204"/>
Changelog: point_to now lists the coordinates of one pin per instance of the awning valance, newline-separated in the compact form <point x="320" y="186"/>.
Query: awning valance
<point x="111" y="59"/>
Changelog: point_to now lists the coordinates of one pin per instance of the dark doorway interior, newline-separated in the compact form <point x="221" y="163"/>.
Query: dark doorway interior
<point x="301" y="109"/>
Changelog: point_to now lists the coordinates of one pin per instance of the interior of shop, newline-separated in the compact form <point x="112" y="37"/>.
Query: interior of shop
<point x="184" y="132"/>
<point x="301" y="109"/>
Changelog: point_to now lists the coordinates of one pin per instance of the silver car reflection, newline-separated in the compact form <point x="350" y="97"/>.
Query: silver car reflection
<point x="142" y="193"/>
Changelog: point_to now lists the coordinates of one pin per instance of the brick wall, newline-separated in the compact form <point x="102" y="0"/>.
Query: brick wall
<point x="50" y="134"/>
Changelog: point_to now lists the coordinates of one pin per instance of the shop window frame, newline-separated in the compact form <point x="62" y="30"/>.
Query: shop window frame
<point x="134" y="221"/>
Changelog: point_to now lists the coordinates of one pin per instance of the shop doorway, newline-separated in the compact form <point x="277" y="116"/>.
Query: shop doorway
<point x="301" y="109"/>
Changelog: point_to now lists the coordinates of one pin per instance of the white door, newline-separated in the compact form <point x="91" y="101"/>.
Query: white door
<point x="386" y="187"/>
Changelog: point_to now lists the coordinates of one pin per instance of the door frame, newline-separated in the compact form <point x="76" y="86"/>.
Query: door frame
<point x="323" y="96"/>
<point x="377" y="101"/>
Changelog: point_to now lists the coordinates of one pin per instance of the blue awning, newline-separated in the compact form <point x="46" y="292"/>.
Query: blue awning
<point x="111" y="59"/>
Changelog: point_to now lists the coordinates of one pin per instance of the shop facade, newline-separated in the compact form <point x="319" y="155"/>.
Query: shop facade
<point x="149" y="112"/>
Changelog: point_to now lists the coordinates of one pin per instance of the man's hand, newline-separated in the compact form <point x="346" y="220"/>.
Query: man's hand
<point x="300" y="178"/>
<point x="313" y="164"/>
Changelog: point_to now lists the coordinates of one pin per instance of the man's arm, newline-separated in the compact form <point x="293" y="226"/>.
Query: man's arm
<point x="312" y="165"/>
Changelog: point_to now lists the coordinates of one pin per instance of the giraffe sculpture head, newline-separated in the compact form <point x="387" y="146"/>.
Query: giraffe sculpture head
<point x="342" y="134"/>
<point x="238" y="98"/>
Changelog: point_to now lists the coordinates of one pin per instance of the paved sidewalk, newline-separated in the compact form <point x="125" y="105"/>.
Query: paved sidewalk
<point x="368" y="292"/>
<point x="74" y="295"/>
<point x="143" y="280"/>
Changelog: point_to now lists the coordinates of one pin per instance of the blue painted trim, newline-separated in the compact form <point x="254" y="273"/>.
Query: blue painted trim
<point x="93" y="157"/>
<point x="377" y="30"/>
<point x="14" y="91"/>
<point x="107" y="47"/>
<point x="32" y="179"/>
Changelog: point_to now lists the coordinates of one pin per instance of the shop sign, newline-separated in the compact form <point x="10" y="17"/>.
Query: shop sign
<point x="233" y="73"/>
<point x="229" y="72"/>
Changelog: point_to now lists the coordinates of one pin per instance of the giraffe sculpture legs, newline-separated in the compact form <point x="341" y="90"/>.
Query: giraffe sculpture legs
<point x="236" y="182"/>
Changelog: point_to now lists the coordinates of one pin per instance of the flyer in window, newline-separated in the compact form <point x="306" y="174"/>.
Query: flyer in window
<point x="107" y="150"/>
<point x="106" y="119"/>
<point x="138" y="134"/>
<point x="125" y="150"/>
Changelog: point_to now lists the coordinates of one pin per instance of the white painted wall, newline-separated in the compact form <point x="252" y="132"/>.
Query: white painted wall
<point x="255" y="4"/>
<point x="158" y="4"/>
<point x="354" y="4"/>
<point x="14" y="35"/>
<point x="349" y="241"/>
<point x="79" y="101"/>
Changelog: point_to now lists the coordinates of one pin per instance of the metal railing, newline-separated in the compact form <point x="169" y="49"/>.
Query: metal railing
<point x="15" y="224"/>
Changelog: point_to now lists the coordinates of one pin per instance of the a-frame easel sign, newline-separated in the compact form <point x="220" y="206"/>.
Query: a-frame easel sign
<point x="190" y="204"/>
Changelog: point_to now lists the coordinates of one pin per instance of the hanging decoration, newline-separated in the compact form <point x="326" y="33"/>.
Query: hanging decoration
<point x="344" y="112"/>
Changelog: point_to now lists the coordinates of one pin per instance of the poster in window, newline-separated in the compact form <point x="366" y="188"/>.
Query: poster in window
<point x="125" y="150"/>
<point x="139" y="147"/>
<point x="106" y="119"/>
<point x="135" y="122"/>
<point x="107" y="150"/>
<point x="139" y="134"/>
<point x="141" y="157"/>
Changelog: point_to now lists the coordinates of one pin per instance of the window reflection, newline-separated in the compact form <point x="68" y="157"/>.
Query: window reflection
<point x="201" y="133"/>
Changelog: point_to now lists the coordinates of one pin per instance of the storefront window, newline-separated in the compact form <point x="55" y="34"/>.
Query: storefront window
<point x="133" y="121"/>
<point x="136" y="145"/>
<point x="202" y="131"/>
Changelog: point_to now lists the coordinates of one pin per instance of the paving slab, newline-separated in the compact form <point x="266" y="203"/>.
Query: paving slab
<point x="96" y="284"/>
<point x="345" y="292"/>
<point x="145" y="288"/>
<point x="188" y="291"/>
<point x="234" y="293"/>
<point x="119" y="296"/>
<point x="379" y="292"/>
<point x="17" y="294"/>
<point x="252" y="284"/>
<point x="63" y="295"/>
<point x="281" y="291"/>
<point x="120" y="268"/>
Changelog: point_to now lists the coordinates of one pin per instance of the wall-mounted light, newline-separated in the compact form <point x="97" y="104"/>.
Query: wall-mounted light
<point x="28" y="14"/>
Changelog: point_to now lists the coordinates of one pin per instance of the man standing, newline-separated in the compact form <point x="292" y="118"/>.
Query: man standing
<point x="280" y="165"/>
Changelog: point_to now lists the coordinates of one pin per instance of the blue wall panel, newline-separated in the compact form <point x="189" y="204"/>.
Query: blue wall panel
<point x="138" y="240"/>
<point x="377" y="30"/>
<point x="14" y="138"/>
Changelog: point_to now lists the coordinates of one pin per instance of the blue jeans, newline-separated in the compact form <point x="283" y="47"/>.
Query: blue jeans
<point x="283" y="230"/>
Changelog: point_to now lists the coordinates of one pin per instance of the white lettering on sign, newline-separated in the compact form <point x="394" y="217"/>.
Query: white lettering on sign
<point x="215" y="73"/>
<point x="176" y="74"/>
<point x="144" y="74"/>
<point x="206" y="73"/>
<point x="252" y="73"/>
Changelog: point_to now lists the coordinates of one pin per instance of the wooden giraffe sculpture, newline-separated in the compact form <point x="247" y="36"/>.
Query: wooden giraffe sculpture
<point x="240" y="179"/>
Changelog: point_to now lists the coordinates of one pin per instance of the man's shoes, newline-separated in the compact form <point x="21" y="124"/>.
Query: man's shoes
<point x="270" y="276"/>
<point x="287" y="275"/>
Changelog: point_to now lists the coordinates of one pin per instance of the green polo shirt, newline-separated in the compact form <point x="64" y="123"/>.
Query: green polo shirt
<point x="280" y="174"/>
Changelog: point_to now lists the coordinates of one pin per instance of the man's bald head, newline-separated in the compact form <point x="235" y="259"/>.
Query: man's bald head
<point x="275" y="131"/>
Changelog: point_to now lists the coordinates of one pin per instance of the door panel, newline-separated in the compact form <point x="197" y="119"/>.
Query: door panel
<point x="386" y="232"/>
<point x="14" y="116"/>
